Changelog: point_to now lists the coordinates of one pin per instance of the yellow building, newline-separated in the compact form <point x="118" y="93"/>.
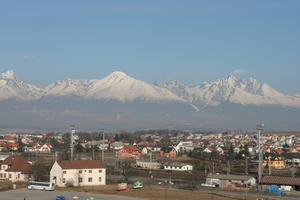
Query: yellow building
<point x="277" y="162"/>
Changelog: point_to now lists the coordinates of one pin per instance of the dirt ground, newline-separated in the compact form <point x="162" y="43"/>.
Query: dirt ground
<point x="154" y="193"/>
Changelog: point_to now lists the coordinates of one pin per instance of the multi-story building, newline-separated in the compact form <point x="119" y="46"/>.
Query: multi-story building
<point x="78" y="173"/>
<point x="14" y="169"/>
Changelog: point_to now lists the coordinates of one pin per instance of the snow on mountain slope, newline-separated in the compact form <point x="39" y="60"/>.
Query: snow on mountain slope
<point x="68" y="87"/>
<point x="12" y="87"/>
<point x="230" y="89"/>
<point x="118" y="85"/>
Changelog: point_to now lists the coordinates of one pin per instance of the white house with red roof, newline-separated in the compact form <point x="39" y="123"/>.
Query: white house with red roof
<point x="78" y="173"/>
<point x="45" y="148"/>
<point x="14" y="169"/>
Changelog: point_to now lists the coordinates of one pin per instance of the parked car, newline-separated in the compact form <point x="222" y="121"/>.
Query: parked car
<point x="60" y="198"/>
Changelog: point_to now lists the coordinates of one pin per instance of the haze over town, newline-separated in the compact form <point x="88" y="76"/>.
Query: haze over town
<point x="157" y="100"/>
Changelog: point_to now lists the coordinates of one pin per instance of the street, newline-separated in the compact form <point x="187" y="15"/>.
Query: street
<point x="21" y="194"/>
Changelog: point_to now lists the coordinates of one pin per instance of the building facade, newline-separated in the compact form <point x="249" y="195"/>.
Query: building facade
<point x="15" y="169"/>
<point x="78" y="173"/>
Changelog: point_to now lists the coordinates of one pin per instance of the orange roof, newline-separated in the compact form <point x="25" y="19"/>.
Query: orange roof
<point x="279" y="151"/>
<point x="80" y="164"/>
<point x="9" y="138"/>
<point x="17" y="164"/>
<point x="131" y="148"/>
<point x="13" y="145"/>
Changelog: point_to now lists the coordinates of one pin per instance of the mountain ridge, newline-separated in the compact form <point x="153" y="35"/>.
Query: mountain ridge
<point x="119" y="86"/>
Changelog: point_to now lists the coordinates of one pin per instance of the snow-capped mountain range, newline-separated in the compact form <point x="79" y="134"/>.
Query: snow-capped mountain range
<point x="230" y="89"/>
<point x="119" y="86"/>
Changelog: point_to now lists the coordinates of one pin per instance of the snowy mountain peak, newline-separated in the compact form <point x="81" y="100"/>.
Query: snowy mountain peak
<point x="12" y="87"/>
<point x="120" y="86"/>
<point x="117" y="75"/>
<point x="232" y="90"/>
<point x="9" y="74"/>
<point x="229" y="81"/>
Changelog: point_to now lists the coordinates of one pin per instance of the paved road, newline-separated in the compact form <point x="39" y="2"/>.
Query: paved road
<point x="20" y="194"/>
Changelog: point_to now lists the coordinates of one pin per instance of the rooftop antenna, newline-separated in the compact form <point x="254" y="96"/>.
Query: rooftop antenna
<point x="72" y="132"/>
<point x="260" y="129"/>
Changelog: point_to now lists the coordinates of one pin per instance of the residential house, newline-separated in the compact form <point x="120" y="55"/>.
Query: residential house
<point x="78" y="173"/>
<point x="292" y="159"/>
<point x="14" y="169"/>
<point x="276" y="162"/>
<point x="9" y="139"/>
<point x="145" y="151"/>
<point x="45" y="148"/>
<point x="168" y="152"/>
<point x="128" y="152"/>
<point x="117" y="145"/>
<point x="186" y="146"/>
<point x="209" y="150"/>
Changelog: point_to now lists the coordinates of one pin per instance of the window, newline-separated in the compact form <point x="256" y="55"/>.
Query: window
<point x="4" y="175"/>
<point x="0" y="175"/>
<point x="90" y="179"/>
<point x="80" y="180"/>
<point x="80" y="171"/>
<point x="63" y="180"/>
<point x="9" y="176"/>
<point x="90" y="171"/>
<point x="64" y="172"/>
<point x="100" y="179"/>
<point x="100" y="170"/>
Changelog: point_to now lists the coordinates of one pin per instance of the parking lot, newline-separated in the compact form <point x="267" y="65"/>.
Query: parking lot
<point x="21" y="194"/>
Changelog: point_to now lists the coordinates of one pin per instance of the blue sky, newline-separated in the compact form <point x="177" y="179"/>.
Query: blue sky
<point x="188" y="40"/>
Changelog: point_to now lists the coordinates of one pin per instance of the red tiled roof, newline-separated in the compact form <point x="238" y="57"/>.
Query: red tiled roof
<point x="12" y="145"/>
<point x="80" y="164"/>
<point x="212" y="149"/>
<point x="17" y="164"/>
<point x="279" y="151"/>
<point x="146" y="144"/>
<point x="131" y="148"/>
<point x="9" y="138"/>
<point x="281" y="180"/>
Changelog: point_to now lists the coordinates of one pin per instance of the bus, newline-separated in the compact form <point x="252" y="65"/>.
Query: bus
<point x="40" y="185"/>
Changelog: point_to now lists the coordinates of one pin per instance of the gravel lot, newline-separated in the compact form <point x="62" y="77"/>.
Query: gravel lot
<point x="20" y="194"/>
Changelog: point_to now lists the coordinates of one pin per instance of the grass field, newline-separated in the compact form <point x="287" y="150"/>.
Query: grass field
<point x="154" y="193"/>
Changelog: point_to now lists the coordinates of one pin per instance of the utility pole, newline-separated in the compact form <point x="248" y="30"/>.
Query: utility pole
<point x="150" y="163"/>
<point x="228" y="167"/>
<point x="102" y="157"/>
<point x="246" y="167"/>
<point x="170" y="178"/>
<point x="72" y="131"/>
<point x="269" y="165"/>
<point x="93" y="150"/>
<point x="259" y="129"/>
